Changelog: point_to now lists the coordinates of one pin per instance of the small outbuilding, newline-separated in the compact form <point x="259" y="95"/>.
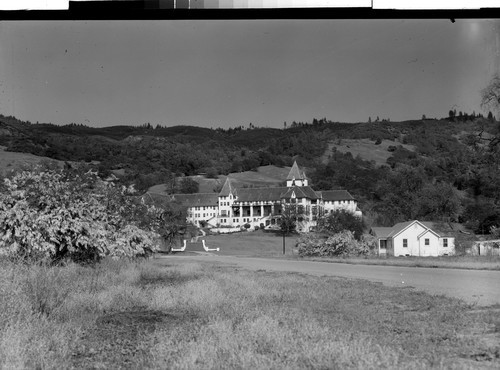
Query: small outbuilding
<point x="415" y="238"/>
<point x="485" y="248"/>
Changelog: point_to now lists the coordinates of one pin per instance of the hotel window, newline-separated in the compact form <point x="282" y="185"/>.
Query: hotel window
<point x="426" y="241"/>
<point x="405" y="243"/>
<point x="445" y="243"/>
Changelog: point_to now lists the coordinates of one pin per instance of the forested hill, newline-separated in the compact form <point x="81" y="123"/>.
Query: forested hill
<point x="430" y="169"/>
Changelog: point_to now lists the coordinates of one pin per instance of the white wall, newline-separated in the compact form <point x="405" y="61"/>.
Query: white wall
<point x="417" y="247"/>
<point x="413" y="244"/>
<point x="450" y="250"/>
<point x="429" y="250"/>
<point x="349" y="205"/>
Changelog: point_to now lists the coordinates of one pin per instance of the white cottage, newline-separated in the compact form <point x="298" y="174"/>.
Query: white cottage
<point x="414" y="238"/>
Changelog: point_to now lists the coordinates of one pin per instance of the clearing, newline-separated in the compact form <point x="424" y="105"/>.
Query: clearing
<point x="365" y="148"/>
<point x="14" y="160"/>
<point x="265" y="176"/>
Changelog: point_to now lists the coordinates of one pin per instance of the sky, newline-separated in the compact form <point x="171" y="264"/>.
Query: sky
<point x="227" y="73"/>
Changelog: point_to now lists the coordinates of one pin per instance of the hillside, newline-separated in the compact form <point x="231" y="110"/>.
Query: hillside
<point x="431" y="169"/>
<point x="10" y="161"/>
<point x="367" y="149"/>
<point x="264" y="176"/>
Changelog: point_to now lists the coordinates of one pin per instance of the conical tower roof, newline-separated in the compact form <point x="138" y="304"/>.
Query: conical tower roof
<point x="295" y="173"/>
<point x="227" y="188"/>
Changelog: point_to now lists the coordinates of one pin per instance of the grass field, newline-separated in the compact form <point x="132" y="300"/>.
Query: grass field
<point x="366" y="149"/>
<point x="167" y="313"/>
<point x="263" y="244"/>
<point x="14" y="160"/>
<point x="254" y="244"/>
<point x="265" y="176"/>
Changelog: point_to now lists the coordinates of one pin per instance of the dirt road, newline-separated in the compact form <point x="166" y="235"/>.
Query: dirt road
<point x="474" y="286"/>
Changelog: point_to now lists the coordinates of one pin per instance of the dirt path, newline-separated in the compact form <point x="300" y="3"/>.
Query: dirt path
<point x="474" y="286"/>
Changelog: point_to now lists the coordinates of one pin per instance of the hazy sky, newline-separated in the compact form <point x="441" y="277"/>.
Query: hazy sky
<point x="228" y="73"/>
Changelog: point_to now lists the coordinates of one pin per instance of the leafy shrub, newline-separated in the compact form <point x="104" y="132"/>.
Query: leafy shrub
<point x="54" y="215"/>
<point x="340" y="244"/>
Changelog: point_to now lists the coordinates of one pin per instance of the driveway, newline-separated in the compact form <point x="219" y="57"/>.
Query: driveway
<point x="479" y="287"/>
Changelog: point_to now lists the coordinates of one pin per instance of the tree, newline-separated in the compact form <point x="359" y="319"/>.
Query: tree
<point x="438" y="201"/>
<point x="339" y="221"/>
<point x="54" y="215"/>
<point x="490" y="95"/>
<point x="288" y="219"/>
<point x="170" y="222"/>
<point x="188" y="186"/>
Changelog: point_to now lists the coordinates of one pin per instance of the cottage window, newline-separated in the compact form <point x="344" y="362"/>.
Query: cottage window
<point x="445" y="243"/>
<point x="405" y="243"/>
<point x="426" y="241"/>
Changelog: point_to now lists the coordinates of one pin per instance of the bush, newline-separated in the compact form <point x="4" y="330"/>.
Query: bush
<point x="54" y="215"/>
<point x="340" y="244"/>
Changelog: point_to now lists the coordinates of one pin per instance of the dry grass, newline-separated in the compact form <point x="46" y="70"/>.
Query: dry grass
<point x="265" y="176"/>
<point x="180" y="314"/>
<point x="265" y="320"/>
<point x="254" y="243"/>
<point x="262" y="244"/>
<point x="366" y="149"/>
<point x="12" y="160"/>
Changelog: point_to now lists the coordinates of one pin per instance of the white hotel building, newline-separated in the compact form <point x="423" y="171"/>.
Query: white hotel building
<point x="235" y="207"/>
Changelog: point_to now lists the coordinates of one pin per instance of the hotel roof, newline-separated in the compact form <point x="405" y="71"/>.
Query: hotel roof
<point x="295" y="173"/>
<point x="333" y="195"/>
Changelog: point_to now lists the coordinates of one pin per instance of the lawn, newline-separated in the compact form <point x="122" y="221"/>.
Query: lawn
<point x="167" y="313"/>
<point x="254" y="244"/>
<point x="264" y="244"/>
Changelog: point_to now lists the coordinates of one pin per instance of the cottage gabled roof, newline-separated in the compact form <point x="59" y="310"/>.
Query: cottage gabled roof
<point x="227" y="188"/>
<point x="295" y="173"/>
<point x="438" y="229"/>
<point x="444" y="229"/>
<point x="335" y="195"/>
<point x="428" y="230"/>
<point x="300" y="192"/>
<point x="381" y="232"/>
<point x="401" y="226"/>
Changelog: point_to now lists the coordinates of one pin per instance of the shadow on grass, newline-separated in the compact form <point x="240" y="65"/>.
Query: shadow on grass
<point x="164" y="277"/>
